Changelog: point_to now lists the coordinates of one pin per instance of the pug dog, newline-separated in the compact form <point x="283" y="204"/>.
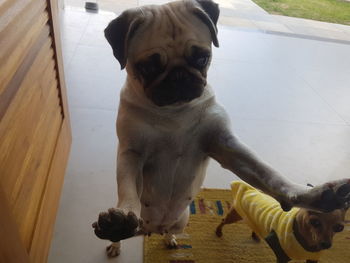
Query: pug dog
<point x="169" y="125"/>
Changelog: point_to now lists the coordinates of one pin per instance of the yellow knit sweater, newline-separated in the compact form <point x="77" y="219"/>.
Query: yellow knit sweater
<point x="263" y="214"/>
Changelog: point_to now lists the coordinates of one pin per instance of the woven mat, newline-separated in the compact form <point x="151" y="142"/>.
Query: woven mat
<point x="199" y="244"/>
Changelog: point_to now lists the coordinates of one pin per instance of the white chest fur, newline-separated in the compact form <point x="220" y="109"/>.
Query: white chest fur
<point x="174" y="161"/>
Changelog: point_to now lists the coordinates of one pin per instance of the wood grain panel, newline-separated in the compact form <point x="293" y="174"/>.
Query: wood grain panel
<point x="45" y="223"/>
<point x="25" y="156"/>
<point x="11" y="89"/>
<point x="31" y="152"/>
<point x="36" y="167"/>
<point x="46" y="220"/>
<point x="13" y="33"/>
<point x="34" y="103"/>
<point x="9" y="9"/>
<point x="20" y="116"/>
<point x="11" y="247"/>
<point x="53" y="8"/>
<point x="11" y="62"/>
<point x="35" y="132"/>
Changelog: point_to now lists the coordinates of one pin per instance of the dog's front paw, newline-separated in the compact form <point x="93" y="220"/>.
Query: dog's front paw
<point x="326" y="197"/>
<point x="116" y="225"/>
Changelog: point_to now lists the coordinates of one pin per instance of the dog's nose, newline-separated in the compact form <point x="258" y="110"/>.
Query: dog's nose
<point x="326" y="245"/>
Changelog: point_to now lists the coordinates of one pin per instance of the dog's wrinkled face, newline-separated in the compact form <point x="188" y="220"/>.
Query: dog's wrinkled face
<point x="318" y="229"/>
<point x="170" y="76"/>
<point x="166" y="49"/>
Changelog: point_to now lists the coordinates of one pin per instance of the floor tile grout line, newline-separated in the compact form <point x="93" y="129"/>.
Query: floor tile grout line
<point x="308" y="37"/>
<point x="323" y="99"/>
<point x="73" y="107"/>
<point x="308" y="84"/>
<point x="286" y="34"/>
<point x="287" y="25"/>
<point x="89" y="21"/>
<point x="78" y="42"/>
<point x="233" y="117"/>
<point x="290" y="121"/>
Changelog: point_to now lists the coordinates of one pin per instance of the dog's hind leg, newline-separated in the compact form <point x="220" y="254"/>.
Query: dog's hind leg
<point x="113" y="249"/>
<point x="177" y="228"/>
<point x="230" y="218"/>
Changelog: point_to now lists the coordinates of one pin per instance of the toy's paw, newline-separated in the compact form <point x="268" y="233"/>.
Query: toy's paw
<point x="170" y="241"/>
<point x="255" y="237"/>
<point x="218" y="232"/>
<point x="116" y="225"/>
<point x="113" y="250"/>
<point x="326" y="197"/>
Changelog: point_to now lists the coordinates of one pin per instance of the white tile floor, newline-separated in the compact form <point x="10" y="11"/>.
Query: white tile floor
<point x="245" y="14"/>
<point x="289" y="99"/>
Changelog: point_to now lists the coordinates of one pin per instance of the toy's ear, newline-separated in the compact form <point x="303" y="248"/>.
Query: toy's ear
<point x="120" y="30"/>
<point x="208" y="12"/>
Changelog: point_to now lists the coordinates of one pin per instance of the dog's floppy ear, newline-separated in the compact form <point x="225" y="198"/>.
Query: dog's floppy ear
<point x="208" y="12"/>
<point x="120" y="31"/>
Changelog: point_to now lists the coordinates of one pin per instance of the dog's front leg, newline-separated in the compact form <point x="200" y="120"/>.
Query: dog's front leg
<point x="129" y="181"/>
<point x="124" y="222"/>
<point x="233" y="155"/>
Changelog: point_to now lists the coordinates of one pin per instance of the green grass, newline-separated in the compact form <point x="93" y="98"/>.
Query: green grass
<point x="334" y="11"/>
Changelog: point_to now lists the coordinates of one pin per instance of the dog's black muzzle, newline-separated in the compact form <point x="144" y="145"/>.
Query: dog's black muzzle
<point x="179" y="85"/>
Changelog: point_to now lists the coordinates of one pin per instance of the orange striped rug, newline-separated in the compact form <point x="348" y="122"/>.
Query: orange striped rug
<point x="199" y="244"/>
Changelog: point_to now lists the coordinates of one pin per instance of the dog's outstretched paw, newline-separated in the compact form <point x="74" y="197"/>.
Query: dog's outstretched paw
<point x="115" y="225"/>
<point x="326" y="197"/>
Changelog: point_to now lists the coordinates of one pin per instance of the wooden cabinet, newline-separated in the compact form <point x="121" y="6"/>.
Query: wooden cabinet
<point x="35" y="133"/>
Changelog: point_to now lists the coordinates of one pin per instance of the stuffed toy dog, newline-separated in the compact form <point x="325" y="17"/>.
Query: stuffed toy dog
<point x="299" y="234"/>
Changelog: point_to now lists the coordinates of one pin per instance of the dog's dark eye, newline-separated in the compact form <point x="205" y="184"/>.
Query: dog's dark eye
<point x="199" y="57"/>
<point x="315" y="223"/>
<point x="149" y="67"/>
<point x="146" y="70"/>
<point x="338" y="228"/>
<point x="202" y="61"/>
